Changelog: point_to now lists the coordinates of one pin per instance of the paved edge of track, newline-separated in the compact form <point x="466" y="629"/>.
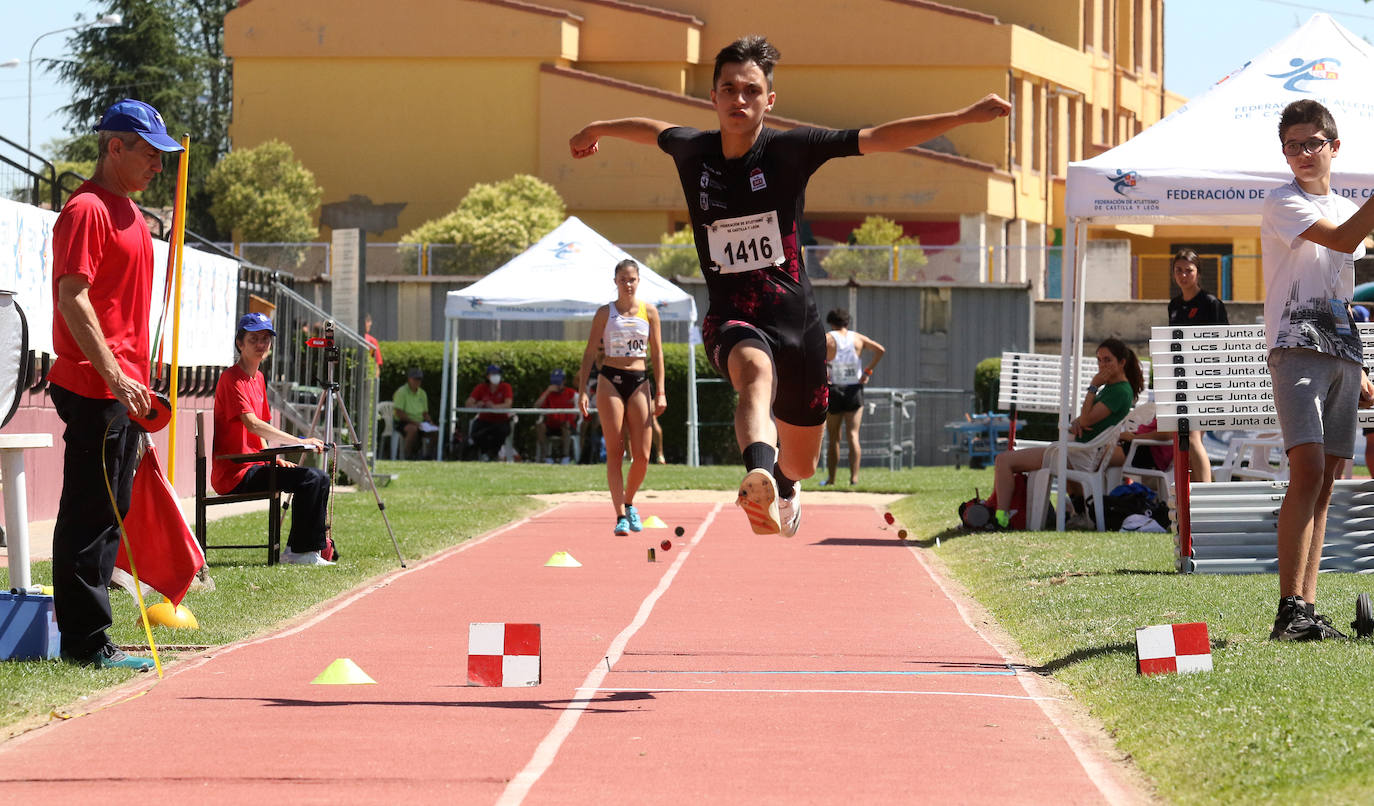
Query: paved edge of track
<point x="1117" y="779"/>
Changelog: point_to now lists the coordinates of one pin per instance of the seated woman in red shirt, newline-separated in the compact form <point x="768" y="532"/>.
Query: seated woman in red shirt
<point x="242" y="421"/>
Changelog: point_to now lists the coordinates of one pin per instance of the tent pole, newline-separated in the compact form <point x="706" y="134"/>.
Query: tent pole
<point x="443" y="391"/>
<point x="1069" y="337"/>
<point x="693" y="451"/>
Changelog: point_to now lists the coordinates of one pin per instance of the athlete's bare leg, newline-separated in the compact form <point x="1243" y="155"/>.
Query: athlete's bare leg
<point x="638" y="430"/>
<point x="611" y="410"/>
<point x="751" y="373"/>
<point x="852" y="420"/>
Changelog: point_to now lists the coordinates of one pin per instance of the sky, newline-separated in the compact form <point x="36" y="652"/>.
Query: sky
<point x="1204" y="40"/>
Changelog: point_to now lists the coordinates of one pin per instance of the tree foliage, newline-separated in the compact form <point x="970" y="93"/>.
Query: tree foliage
<point x="264" y="194"/>
<point x="676" y="255"/>
<point x="871" y="263"/>
<point x="492" y="224"/>
<point x="168" y="53"/>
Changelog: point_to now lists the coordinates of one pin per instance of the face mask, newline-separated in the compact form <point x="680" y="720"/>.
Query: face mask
<point x="495" y="379"/>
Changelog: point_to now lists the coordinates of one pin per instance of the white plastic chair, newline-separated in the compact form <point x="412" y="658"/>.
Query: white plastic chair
<point x="1251" y="458"/>
<point x="1093" y="458"/>
<point x="386" y="411"/>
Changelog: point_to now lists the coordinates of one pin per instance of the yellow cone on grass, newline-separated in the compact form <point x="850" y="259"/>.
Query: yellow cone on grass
<point x="654" y="522"/>
<point x="162" y="615"/>
<point x="343" y="672"/>
<point x="562" y="559"/>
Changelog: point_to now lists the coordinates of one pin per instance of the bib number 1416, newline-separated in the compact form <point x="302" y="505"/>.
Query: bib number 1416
<point x="747" y="243"/>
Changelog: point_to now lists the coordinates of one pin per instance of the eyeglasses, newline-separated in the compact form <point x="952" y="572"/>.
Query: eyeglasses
<point x="1292" y="148"/>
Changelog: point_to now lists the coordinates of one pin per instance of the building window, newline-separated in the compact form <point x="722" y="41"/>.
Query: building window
<point x="1037" y="97"/>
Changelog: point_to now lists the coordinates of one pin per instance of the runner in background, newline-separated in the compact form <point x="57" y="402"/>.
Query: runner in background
<point x="847" y="376"/>
<point x="628" y="331"/>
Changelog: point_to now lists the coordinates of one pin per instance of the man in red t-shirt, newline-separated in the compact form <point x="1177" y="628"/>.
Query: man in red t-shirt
<point x="372" y="342"/>
<point x="556" y="396"/>
<point x="242" y="421"/>
<point x="489" y="430"/>
<point x="102" y="288"/>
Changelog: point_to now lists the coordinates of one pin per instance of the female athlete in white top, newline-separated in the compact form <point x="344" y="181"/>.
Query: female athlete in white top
<point x="627" y="330"/>
<point x="847" y="376"/>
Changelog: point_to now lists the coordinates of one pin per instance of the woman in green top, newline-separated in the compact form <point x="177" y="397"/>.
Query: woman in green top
<point x="1111" y="395"/>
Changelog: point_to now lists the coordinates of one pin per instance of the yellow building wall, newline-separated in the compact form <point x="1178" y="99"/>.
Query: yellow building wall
<point x="413" y="29"/>
<point x="628" y="177"/>
<point x="1059" y="20"/>
<point x="427" y="154"/>
<point x="475" y="105"/>
<point x="859" y="96"/>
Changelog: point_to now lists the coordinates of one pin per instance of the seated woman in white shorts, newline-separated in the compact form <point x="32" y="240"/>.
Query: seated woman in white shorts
<point x="1111" y="395"/>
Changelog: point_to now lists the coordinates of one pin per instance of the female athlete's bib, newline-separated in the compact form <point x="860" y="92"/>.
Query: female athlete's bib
<point x="626" y="336"/>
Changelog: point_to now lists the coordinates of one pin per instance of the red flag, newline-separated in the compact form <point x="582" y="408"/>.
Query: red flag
<point x="167" y="553"/>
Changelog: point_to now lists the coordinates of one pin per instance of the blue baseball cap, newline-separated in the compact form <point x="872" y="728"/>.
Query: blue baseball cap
<point x="492" y="369"/>
<point x="253" y="322"/>
<point x="557" y="376"/>
<point x="135" y="116"/>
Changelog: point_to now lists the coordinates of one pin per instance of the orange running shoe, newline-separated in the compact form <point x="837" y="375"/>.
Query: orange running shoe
<point x="758" y="497"/>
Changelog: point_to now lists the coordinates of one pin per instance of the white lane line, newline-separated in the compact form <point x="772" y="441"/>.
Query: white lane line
<point x="544" y="754"/>
<point x="817" y="691"/>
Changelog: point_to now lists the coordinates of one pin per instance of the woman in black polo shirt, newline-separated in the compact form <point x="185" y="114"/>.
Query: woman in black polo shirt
<point x="1194" y="306"/>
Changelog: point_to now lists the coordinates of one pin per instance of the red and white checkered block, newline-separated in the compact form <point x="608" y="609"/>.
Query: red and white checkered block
<point x="1168" y="648"/>
<point x="502" y="654"/>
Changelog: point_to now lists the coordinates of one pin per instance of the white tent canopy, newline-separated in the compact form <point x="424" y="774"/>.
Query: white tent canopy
<point x="1213" y="160"/>
<point x="567" y="274"/>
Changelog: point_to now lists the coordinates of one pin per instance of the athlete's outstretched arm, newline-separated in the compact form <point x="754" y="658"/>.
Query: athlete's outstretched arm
<point x="907" y="132"/>
<point x="644" y="131"/>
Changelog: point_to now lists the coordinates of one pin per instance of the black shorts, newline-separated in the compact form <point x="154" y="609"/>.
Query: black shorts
<point x="798" y="352"/>
<point x="624" y="381"/>
<point x="844" y="399"/>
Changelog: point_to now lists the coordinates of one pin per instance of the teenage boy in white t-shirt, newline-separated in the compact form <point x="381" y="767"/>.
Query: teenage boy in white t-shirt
<point x="1310" y="238"/>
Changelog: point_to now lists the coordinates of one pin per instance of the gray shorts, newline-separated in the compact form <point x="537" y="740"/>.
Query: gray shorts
<point x="1317" y="397"/>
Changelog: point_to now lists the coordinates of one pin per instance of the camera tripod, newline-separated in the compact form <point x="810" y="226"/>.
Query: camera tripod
<point x="326" y="404"/>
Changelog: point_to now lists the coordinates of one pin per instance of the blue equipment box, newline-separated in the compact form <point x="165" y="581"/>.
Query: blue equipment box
<point x="28" y="627"/>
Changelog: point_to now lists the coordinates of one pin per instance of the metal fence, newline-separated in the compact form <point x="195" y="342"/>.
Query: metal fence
<point x="914" y="264"/>
<point x="903" y="428"/>
<point x="298" y="373"/>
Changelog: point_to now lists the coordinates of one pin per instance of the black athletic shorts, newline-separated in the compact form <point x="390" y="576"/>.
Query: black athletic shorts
<point x="844" y="399"/>
<point x="798" y="352"/>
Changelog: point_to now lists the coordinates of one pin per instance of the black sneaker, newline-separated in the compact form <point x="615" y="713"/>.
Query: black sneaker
<point x="1292" y="622"/>
<point x="1328" y="629"/>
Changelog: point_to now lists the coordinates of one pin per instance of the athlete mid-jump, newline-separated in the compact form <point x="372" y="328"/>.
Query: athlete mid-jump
<point x="744" y="186"/>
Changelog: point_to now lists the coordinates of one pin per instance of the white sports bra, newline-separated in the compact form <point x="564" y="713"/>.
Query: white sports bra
<point x="626" y="336"/>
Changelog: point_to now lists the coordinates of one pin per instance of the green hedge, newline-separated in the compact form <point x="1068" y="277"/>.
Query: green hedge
<point x="526" y="365"/>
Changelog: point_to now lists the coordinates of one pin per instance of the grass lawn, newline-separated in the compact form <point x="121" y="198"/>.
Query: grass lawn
<point x="1272" y="723"/>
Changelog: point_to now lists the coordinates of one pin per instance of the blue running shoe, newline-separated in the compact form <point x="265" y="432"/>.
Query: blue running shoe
<point x="632" y="515"/>
<point x="622" y="526"/>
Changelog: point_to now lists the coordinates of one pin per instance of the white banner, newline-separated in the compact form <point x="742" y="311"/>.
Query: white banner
<point x="209" y="288"/>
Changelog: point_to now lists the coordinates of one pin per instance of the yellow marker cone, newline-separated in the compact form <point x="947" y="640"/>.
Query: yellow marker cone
<point x="162" y="615"/>
<point x="654" y="522"/>
<point x="562" y="559"/>
<point x="343" y="672"/>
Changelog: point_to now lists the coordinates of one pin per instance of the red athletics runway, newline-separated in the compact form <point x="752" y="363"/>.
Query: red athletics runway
<point x="830" y="668"/>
